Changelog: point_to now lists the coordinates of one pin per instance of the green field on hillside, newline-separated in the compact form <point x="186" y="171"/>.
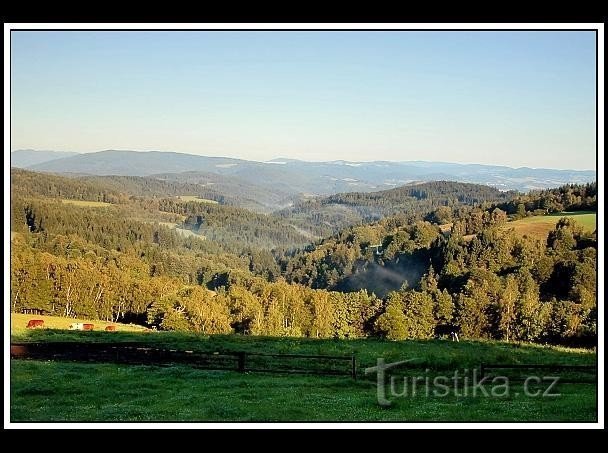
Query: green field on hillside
<point x="62" y="391"/>
<point x="56" y="323"/>
<point x="197" y="199"/>
<point x="539" y="226"/>
<point x="87" y="204"/>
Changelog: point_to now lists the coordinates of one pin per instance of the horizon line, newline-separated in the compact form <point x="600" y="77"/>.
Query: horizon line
<point x="302" y="160"/>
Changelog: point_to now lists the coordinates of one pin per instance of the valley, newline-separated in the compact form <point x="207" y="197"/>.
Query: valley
<point x="219" y="223"/>
<point x="140" y="249"/>
<point x="199" y="265"/>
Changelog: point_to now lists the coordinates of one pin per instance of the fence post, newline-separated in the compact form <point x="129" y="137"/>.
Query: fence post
<point x="354" y="367"/>
<point x="241" y="359"/>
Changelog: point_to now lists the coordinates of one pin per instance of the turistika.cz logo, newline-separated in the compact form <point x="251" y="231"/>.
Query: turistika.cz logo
<point x="461" y="383"/>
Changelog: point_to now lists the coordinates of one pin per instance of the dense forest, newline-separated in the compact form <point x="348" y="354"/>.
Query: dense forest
<point x="36" y="204"/>
<point x="572" y="197"/>
<point x="111" y="189"/>
<point x="327" y="215"/>
<point x="431" y="255"/>
<point x="245" y="194"/>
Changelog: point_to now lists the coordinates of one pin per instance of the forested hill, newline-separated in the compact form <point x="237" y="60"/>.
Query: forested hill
<point x="31" y="184"/>
<point x="151" y="260"/>
<point x="136" y="200"/>
<point x="261" y="196"/>
<point x="111" y="189"/>
<point x="317" y="178"/>
<point x="330" y="214"/>
<point x="381" y="256"/>
<point x="221" y="188"/>
<point x="446" y="192"/>
<point x="477" y="274"/>
<point x="570" y="197"/>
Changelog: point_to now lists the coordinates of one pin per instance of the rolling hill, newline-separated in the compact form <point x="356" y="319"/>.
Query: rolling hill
<point x="139" y="205"/>
<point x="101" y="188"/>
<point x="329" y="214"/>
<point x="258" y="196"/>
<point x="320" y="178"/>
<point x="26" y="157"/>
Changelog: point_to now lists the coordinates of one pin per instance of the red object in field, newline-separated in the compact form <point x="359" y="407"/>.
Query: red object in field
<point x="87" y="327"/>
<point x="34" y="323"/>
<point x="110" y="328"/>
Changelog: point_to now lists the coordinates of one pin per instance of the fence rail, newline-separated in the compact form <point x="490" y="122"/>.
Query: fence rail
<point x="137" y="353"/>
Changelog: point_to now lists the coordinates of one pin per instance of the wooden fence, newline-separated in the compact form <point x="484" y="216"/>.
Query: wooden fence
<point x="137" y="353"/>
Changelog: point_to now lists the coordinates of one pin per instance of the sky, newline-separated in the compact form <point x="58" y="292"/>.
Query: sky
<point x="506" y="98"/>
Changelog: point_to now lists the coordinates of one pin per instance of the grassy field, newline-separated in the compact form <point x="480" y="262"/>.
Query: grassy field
<point x="19" y="322"/>
<point x="168" y="224"/>
<point x="174" y="226"/>
<point x="436" y="354"/>
<point x="87" y="204"/>
<point x="195" y="198"/>
<point x="539" y="226"/>
<point x="61" y="391"/>
<point x="189" y="233"/>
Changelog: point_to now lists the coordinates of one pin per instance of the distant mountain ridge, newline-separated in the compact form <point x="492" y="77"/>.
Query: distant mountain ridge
<point x="292" y="177"/>
<point x="25" y="157"/>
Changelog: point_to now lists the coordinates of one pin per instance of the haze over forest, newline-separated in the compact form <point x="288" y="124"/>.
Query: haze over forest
<point x="292" y="176"/>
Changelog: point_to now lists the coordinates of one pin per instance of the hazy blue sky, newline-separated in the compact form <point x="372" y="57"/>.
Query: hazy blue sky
<point x="509" y="98"/>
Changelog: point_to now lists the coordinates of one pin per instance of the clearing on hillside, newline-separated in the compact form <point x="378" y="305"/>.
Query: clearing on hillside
<point x="19" y="322"/>
<point x="195" y="198"/>
<point x="87" y="204"/>
<point x="539" y="226"/>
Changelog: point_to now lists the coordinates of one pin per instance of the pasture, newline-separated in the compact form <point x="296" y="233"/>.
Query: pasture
<point x="43" y="390"/>
<point x="19" y="322"/>
<point x="197" y="199"/>
<point x="63" y="391"/>
<point x="87" y="204"/>
<point x="539" y="226"/>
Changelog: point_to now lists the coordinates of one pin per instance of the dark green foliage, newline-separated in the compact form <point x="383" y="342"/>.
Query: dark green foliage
<point x="492" y="283"/>
<point x="435" y="200"/>
<point x="29" y="184"/>
<point x="572" y="197"/>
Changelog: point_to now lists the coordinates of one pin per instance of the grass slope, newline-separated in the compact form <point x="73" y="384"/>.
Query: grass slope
<point x="62" y="391"/>
<point x="87" y="204"/>
<point x="19" y="322"/>
<point x="195" y="198"/>
<point x="539" y="226"/>
<point x="436" y="354"/>
<point x="55" y="391"/>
